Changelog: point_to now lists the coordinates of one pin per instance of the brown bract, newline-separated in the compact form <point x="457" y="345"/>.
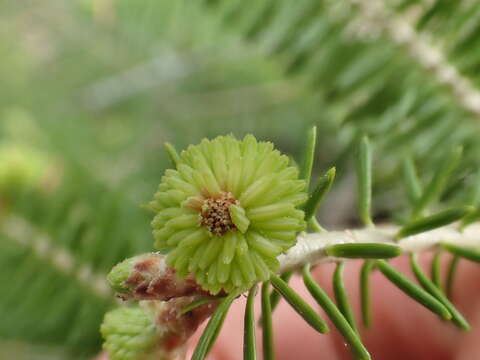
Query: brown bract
<point x="177" y="327"/>
<point x="152" y="279"/>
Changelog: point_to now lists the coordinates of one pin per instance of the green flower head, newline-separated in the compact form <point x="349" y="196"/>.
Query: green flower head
<point x="228" y="211"/>
<point x="129" y="334"/>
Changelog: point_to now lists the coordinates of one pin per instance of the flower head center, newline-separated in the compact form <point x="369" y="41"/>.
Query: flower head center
<point x="215" y="214"/>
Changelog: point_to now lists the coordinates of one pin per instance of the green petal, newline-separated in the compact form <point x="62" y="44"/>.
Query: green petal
<point x="237" y="214"/>
<point x="290" y="173"/>
<point x="262" y="245"/>
<point x="194" y="239"/>
<point x="165" y="200"/>
<point x="223" y="271"/>
<point x="250" y="144"/>
<point x="169" y="213"/>
<point x="211" y="183"/>
<point x="244" y="261"/>
<point x="234" y="176"/>
<point x="229" y="245"/>
<point x="296" y="199"/>
<point x="177" y="183"/>
<point x="183" y="222"/>
<point x="269" y="163"/>
<point x="281" y="224"/>
<point x="219" y="163"/>
<point x="186" y="172"/>
<point x="181" y="264"/>
<point x="195" y="259"/>
<point x="177" y="196"/>
<point x="236" y="275"/>
<point x="232" y="148"/>
<point x="198" y="159"/>
<point x="261" y="269"/>
<point x="267" y="212"/>
<point x="179" y="236"/>
<point x="256" y="190"/>
<point x="272" y="263"/>
<point x="211" y="253"/>
<point x="249" y="163"/>
<point x="212" y="274"/>
<point x="161" y="236"/>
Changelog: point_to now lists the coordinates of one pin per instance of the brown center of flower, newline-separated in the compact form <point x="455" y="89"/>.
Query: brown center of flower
<point x="214" y="214"/>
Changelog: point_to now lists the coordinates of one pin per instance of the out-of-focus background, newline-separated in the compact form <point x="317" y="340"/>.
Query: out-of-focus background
<point x="91" y="89"/>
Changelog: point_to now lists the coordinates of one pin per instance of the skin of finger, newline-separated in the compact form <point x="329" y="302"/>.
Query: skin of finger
<point x="402" y="328"/>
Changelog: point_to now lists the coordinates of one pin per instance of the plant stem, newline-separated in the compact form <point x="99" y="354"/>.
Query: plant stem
<point x="311" y="248"/>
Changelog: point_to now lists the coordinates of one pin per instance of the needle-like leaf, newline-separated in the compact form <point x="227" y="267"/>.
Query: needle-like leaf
<point x="300" y="306"/>
<point x="321" y="189"/>
<point x="267" y="328"/>
<point x="309" y="155"/>
<point x="411" y="181"/>
<point x="464" y="252"/>
<point x="364" y="251"/>
<point x="313" y="225"/>
<point x="335" y="315"/>
<point x="212" y="330"/>
<point x="249" y="339"/>
<point x="434" y="221"/>
<point x="452" y="269"/>
<point x="198" y="303"/>
<point x="412" y="290"/>
<point x="367" y="268"/>
<point x="341" y="296"/>
<point x="428" y="285"/>
<point x="435" y="270"/>
<point x="275" y="295"/>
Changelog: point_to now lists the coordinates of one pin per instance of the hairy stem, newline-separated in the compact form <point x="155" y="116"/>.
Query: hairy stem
<point x="310" y="248"/>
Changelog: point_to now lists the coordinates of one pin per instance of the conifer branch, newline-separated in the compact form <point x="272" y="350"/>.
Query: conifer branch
<point x="402" y="32"/>
<point x="25" y="234"/>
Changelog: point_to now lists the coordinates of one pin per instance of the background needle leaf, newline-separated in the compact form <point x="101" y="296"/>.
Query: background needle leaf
<point x="364" y="180"/>
<point x="433" y="190"/>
